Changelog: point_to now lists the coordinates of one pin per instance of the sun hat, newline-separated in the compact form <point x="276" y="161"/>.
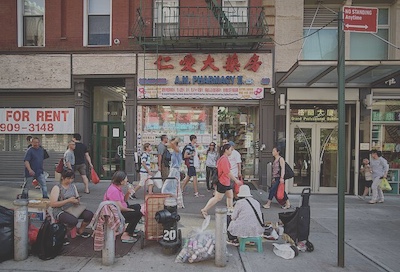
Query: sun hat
<point x="284" y="250"/>
<point x="231" y="143"/>
<point x="244" y="191"/>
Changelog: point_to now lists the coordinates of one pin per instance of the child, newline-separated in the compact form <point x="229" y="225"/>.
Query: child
<point x="366" y="171"/>
<point x="145" y="171"/>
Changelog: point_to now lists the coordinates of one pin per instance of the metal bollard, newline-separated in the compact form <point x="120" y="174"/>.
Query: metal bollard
<point x="20" y="229"/>
<point x="108" y="252"/>
<point x="220" y="237"/>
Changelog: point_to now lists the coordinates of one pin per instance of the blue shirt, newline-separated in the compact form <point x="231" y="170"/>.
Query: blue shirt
<point x="176" y="159"/>
<point x="35" y="158"/>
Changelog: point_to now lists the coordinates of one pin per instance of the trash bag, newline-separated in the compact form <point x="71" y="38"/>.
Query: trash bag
<point x="6" y="234"/>
<point x="199" y="246"/>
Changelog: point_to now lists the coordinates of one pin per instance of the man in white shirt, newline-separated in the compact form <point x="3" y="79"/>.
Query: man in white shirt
<point x="236" y="162"/>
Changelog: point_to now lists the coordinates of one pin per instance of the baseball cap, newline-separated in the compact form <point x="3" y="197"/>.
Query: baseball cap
<point x="231" y="143"/>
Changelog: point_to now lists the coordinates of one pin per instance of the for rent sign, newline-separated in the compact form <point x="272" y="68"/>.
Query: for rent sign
<point x="37" y="121"/>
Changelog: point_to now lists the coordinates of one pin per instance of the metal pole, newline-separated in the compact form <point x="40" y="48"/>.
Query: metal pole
<point x="341" y="139"/>
<point x="20" y="229"/>
<point x="108" y="252"/>
<point x="220" y="237"/>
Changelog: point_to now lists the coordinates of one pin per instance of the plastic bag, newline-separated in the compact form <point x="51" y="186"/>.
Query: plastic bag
<point x="95" y="177"/>
<point x="157" y="180"/>
<point x="199" y="246"/>
<point x="280" y="192"/>
<point x="385" y="186"/>
<point x="32" y="234"/>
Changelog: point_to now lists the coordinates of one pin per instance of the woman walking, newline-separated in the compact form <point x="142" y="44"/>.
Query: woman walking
<point x="211" y="165"/>
<point x="380" y="168"/>
<point x="224" y="181"/>
<point x="278" y="173"/>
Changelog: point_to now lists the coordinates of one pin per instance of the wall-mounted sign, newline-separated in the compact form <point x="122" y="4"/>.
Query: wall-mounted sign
<point x="360" y="19"/>
<point x="37" y="121"/>
<point x="313" y="115"/>
<point x="197" y="92"/>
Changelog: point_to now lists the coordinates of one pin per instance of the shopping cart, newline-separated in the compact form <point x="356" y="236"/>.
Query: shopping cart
<point x="152" y="204"/>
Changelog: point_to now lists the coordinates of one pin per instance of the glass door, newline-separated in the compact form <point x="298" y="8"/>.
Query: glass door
<point x="109" y="148"/>
<point x="314" y="157"/>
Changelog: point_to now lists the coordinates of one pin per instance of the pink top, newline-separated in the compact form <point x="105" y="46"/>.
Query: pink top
<point x="114" y="193"/>
<point x="224" y="167"/>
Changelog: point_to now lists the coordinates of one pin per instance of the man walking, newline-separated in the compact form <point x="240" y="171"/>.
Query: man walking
<point x="189" y="154"/>
<point x="33" y="161"/>
<point x="81" y="154"/>
<point x="161" y="148"/>
<point x="380" y="168"/>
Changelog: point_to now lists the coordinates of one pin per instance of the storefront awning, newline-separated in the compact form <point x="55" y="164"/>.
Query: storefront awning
<point x="323" y="74"/>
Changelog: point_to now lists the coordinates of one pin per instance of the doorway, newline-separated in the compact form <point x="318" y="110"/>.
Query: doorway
<point x="314" y="151"/>
<point x="109" y="153"/>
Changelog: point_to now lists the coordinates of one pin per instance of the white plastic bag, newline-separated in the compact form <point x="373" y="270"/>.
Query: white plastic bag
<point x="196" y="160"/>
<point x="199" y="246"/>
<point x="158" y="181"/>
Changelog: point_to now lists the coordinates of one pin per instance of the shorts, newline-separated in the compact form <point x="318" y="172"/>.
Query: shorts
<point x="81" y="168"/>
<point x="191" y="171"/>
<point x="144" y="180"/>
<point x="368" y="183"/>
<point x="223" y="188"/>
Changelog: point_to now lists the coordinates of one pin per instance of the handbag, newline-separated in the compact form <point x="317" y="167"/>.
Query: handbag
<point x="385" y="186"/>
<point x="60" y="166"/>
<point x="258" y="218"/>
<point x="95" y="177"/>
<point x="76" y="210"/>
<point x="288" y="171"/>
<point x="280" y="192"/>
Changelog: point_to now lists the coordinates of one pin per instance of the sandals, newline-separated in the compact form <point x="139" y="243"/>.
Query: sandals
<point x="267" y="206"/>
<point x="204" y="213"/>
<point x="131" y="240"/>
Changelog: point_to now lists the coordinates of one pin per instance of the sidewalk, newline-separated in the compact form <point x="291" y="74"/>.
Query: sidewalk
<point x="372" y="238"/>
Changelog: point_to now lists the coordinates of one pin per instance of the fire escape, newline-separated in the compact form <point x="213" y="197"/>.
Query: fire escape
<point x="209" y="26"/>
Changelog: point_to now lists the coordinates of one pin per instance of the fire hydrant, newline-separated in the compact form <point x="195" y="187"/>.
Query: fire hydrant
<point x="172" y="236"/>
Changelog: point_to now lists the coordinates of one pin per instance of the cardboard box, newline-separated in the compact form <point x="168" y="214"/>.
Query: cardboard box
<point x="37" y="209"/>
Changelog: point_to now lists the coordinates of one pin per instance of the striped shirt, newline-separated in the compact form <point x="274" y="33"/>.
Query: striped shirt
<point x="145" y="159"/>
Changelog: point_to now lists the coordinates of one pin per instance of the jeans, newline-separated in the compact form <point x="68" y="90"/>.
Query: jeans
<point x="42" y="181"/>
<point x="274" y="188"/>
<point x="210" y="172"/>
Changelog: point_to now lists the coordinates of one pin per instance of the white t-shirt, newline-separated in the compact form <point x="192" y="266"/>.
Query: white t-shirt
<point x="234" y="159"/>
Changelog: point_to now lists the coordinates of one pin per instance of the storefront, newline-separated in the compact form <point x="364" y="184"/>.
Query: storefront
<point x="213" y="96"/>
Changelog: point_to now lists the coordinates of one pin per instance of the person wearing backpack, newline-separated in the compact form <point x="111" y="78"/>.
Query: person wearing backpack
<point x="145" y="171"/>
<point x="163" y="162"/>
<point x="278" y="174"/>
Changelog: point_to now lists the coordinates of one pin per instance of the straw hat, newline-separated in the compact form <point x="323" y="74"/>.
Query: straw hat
<point x="244" y="191"/>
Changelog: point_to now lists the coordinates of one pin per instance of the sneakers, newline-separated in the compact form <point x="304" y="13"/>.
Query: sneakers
<point x="380" y="201"/>
<point x="66" y="242"/>
<point x="234" y="242"/>
<point x="361" y="197"/>
<point x="372" y="202"/>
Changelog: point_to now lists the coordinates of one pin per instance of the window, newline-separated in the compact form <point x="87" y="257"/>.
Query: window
<point x="236" y="11"/>
<point x="32" y="23"/>
<point x="98" y="22"/>
<point x="166" y="16"/>
<point x="366" y="46"/>
<point x="323" y="44"/>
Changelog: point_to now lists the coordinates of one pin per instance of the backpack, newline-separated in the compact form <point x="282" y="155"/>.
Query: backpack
<point x="166" y="157"/>
<point x="183" y="152"/>
<point x="60" y="166"/>
<point x="288" y="171"/>
<point x="49" y="241"/>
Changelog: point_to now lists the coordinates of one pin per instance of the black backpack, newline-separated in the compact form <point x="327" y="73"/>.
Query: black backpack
<point x="166" y="157"/>
<point x="50" y="240"/>
<point x="183" y="152"/>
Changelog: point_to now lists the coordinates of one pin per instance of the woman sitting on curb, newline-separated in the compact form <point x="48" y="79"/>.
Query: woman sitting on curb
<point x="131" y="213"/>
<point x="64" y="196"/>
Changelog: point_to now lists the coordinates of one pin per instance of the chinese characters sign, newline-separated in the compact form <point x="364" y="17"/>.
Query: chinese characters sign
<point x="37" y="121"/>
<point x="216" y="76"/>
<point x="313" y="115"/>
